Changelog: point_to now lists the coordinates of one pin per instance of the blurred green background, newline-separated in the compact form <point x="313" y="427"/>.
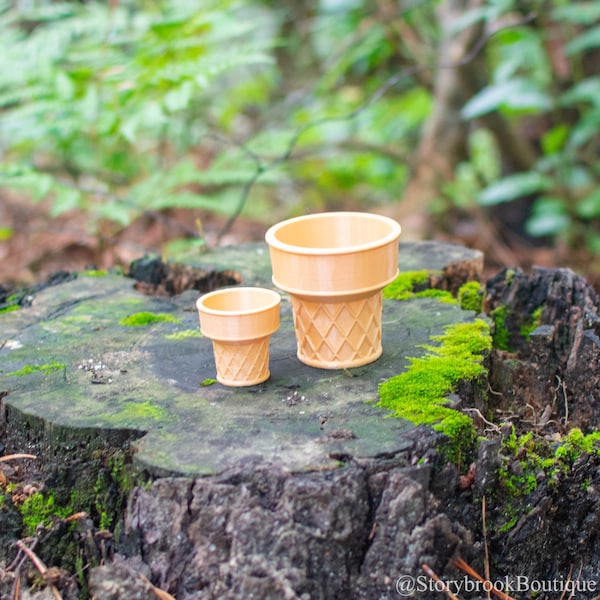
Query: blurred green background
<point x="475" y="121"/>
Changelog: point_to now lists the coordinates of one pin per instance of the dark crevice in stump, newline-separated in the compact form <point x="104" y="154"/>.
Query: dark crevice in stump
<point x="157" y="278"/>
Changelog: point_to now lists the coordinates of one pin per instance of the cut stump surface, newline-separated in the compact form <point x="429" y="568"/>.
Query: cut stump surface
<point x="71" y="367"/>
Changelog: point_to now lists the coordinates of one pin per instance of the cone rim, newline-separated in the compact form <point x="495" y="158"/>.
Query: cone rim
<point x="274" y="242"/>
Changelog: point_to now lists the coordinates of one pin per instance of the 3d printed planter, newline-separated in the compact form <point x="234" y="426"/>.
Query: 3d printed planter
<point x="334" y="266"/>
<point x="240" y="321"/>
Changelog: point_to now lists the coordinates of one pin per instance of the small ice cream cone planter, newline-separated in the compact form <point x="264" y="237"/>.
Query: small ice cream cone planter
<point x="334" y="266"/>
<point x="239" y="322"/>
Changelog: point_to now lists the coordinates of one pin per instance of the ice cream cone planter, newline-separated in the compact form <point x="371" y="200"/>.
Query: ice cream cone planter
<point x="334" y="266"/>
<point x="240" y="322"/>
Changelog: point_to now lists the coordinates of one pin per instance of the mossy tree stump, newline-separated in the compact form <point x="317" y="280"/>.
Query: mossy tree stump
<point x="279" y="488"/>
<point x="95" y="357"/>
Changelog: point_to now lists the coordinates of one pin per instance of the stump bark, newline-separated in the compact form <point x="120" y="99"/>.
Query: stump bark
<point x="550" y="355"/>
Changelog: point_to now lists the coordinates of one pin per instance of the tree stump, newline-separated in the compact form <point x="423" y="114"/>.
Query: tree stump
<point x="296" y="488"/>
<point x="301" y="487"/>
<point x="95" y="358"/>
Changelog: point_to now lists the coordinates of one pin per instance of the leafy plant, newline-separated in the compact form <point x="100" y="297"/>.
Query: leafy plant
<point x="542" y="77"/>
<point x="109" y="108"/>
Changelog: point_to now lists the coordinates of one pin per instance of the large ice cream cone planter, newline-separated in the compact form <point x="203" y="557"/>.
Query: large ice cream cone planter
<point x="334" y="266"/>
<point x="240" y="322"/>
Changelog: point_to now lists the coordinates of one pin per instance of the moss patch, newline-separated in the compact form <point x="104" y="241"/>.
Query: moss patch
<point x="137" y="412"/>
<point x="94" y="273"/>
<point x="413" y="284"/>
<point x="512" y="331"/>
<point x="501" y="334"/>
<point x="10" y="308"/>
<point x="45" y="369"/>
<point x="470" y="296"/>
<point x="531" y="324"/>
<point x="142" y="319"/>
<point x="183" y="335"/>
<point x="527" y="459"/>
<point x="441" y="295"/>
<point x="40" y="509"/>
<point x="420" y="393"/>
<point x="574" y="444"/>
<point x="406" y="284"/>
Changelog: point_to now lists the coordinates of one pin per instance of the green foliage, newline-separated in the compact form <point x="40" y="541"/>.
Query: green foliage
<point x="553" y="87"/>
<point x="481" y="169"/>
<point x="121" y="108"/>
<point x="116" y="109"/>
<point x="100" y="105"/>
<point x="419" y="394"/>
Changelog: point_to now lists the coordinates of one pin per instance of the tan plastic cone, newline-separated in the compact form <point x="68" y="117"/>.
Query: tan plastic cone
<point x="240" y="322"/>
<point x="335" y="266"/>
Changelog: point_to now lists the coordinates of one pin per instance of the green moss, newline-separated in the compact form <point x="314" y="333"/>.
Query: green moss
<point x="470" y="296"/>
<point x="403" y="287"/>
<point x="535" y="456"/>
<point x="441" y="295"/>
<point x="136" y="412"/>
<point x="94" y="273"/>
<point x="501" y="334"/>
<point x="531" y="324"/>
<point x="526" y="457"/>
<point x="508" y="525"/>
<point x="576" y="443"/>
<point x="183" y="335"/>
<point x="410" y="285"/>
<point x="512" y="330"/>
<point x="9" y="308"/>
<point x="117" y="474"/>
<point x="102" y="496"/>
<point x="526" y="453"/>
<point x="141" y="319"/>
<point x="208" y="381"/>
<point x="45" y="369"/>
<point x="420" y="393"/>
<point x="40" y="509"/>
